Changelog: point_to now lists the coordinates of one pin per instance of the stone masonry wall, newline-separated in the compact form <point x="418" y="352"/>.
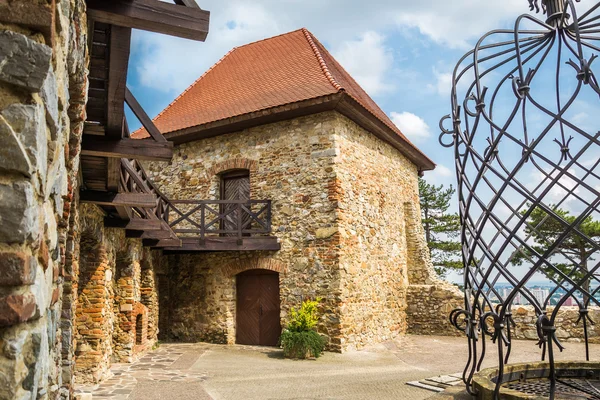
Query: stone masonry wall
<point x="43" y="86"/>
<point x="430" y="300"/>
<point x="115" y="285"/>
<point x="566" y="323"/>
<point x="290" y="163"/>
<point x="375" y="180"/>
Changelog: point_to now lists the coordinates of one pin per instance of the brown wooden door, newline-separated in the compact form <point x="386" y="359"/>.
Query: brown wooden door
<point x="234" y="186"/>
<point x="257" y="311"/>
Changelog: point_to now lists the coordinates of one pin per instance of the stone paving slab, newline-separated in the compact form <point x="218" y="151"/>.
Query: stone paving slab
<point x="156" y="366"/>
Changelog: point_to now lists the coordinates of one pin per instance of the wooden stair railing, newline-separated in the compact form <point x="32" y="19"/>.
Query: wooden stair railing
<point x="194" y="219"/>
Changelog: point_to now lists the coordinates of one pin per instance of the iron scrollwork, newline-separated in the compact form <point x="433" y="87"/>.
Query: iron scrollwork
<point x="515" y="96"/>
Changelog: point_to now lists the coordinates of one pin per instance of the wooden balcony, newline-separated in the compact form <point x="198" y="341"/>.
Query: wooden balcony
<point x="221" y="225"/>
<point x="183" y="225"/>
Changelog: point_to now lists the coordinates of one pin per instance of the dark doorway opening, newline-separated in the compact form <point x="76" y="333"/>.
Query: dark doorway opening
<point x="258" y="308"/>
<point x="139" y="329"/>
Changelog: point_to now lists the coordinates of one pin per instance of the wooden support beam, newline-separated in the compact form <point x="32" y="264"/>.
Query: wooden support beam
<point x="140" y="113"/>
<point x="120" y="46"/>
<point x="141" y="200"/>
<point x="159" y="234"/>
<point x="125" y="213"/>
<point x="187" y="3"/>
<point x="127" y="148"/>
<point x="152" y="15"/>
<point x="137" y="224"/>
<point x="223" y="244"/>
<point x="162" y="243"/>
<point x="113" y="168"/>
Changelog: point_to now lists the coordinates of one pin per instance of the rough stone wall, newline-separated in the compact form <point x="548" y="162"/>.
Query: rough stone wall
<point x="43" y="60"/>
<point x="566" y="323"/>
<point x="430" y="300"/>
<point x="291" y="163"/>
<point x="375" y="181"/>
<point x="113" y="289"/>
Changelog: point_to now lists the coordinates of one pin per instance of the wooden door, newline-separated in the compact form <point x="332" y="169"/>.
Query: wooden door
<point x="258" y="306"/>
<point x="234" y="186"/>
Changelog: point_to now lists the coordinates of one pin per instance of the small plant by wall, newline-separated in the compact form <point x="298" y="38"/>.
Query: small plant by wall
<point x="300" y="338"/>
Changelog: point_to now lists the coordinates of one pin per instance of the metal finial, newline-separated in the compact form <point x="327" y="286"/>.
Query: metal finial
<point x="554" y="9"/>
<point x="534" y="5"/>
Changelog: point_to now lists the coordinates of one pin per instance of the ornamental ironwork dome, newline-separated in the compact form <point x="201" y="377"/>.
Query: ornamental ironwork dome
<point x="524" y="130"/>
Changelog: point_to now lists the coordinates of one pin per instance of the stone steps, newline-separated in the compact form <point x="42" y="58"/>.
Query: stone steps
<point x="438" y="383"/>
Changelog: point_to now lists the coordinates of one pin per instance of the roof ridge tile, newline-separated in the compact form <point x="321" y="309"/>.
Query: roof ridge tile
<point x="322" y="62"/>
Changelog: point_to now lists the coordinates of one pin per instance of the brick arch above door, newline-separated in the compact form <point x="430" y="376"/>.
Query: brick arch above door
<point x="231" y="164"/>
<point x="255" y="263"/>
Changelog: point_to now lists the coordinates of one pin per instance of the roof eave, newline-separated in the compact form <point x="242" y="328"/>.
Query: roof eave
<point x="253" y="119"/>
<point x="341" y="102"/>
<point x="352" y="109"/>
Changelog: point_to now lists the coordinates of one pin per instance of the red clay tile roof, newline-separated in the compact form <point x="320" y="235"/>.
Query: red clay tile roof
<point x="284" y="69"/>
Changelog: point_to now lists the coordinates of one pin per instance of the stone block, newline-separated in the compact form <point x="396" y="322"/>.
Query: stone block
<point x="13" y="156"/>
<point x="23" y="62"/>
<point x="324" y="233"/>
<point x="13" y="344"/>
<point x="126" y="307"/>
<point x="36" y="15"/>
<point x="29" y="124"/>
<point x="18" y="213"/>
<point x="43" y="255"/>
<point x="16" y="308"/>
<point x="49" y="94"/>
<point x="324" y="153"/>
<point x="17" y="269"/>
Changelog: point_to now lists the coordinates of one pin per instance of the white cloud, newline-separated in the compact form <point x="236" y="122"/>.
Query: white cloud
<point x="170" y="64"/>
<point x="443" y="171"/>
<point x="443" y="175"/>
<point x="443" y="83"/>
<point x="413" y="126"/>
<point x="368" y="61"/>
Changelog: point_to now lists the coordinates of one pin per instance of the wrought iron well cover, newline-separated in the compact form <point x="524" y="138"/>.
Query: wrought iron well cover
<point x="524" y="129"/>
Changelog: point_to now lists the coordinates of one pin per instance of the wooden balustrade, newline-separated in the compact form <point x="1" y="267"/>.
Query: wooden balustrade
<point x="226" y="218"/>
<point x="197" y="220"/>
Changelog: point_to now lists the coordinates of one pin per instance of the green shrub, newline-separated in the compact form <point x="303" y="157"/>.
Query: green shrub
<point x="300" y="338"/>
<point x="301" y="344"/>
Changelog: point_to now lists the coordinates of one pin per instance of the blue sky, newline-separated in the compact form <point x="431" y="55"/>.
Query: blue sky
<point x="402" y="53"/>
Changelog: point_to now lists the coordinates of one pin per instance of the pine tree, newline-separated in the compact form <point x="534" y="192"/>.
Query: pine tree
<point x="574" y="251"/>
<point x="442" y="229"/>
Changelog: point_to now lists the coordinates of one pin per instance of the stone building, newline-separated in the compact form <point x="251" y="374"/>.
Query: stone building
<point x="281" y="123"/>
<point x="77" y="290"/>
<point x="96" y="261"/>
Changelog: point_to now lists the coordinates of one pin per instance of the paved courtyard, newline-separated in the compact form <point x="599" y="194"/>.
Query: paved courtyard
<point x="204" y="371"/>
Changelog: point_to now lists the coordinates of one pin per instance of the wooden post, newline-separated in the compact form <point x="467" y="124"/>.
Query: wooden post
<point x="202" y="224"/>
<point x="239" y="224"/>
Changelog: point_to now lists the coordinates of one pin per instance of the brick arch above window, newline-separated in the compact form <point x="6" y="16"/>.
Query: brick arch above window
<point x="240" y="266"/>
<point x="233" y="163"/>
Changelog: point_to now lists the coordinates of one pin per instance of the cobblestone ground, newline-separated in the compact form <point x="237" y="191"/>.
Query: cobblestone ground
<point x="203" y="371"/>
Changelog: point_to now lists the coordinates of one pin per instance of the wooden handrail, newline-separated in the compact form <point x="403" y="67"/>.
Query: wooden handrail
<point x="197" y="218"/>
<point x="212" y="217"/>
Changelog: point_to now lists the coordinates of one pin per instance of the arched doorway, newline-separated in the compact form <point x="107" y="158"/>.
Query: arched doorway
<point x="258" y="308"/>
